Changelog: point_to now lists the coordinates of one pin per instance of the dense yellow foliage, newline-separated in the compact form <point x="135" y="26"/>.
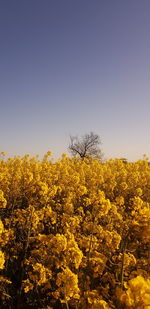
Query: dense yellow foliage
<point x="74" y="234"/>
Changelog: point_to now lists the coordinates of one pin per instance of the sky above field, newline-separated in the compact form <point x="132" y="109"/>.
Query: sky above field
<point x="69" y="67"/>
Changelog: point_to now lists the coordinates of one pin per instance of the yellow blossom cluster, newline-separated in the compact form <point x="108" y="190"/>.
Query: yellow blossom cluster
<point x="137" y="293"/>
<point x="74" y="233"/>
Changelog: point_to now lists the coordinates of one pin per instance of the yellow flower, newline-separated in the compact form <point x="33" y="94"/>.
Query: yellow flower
<point x="1" y="228"/>
<point x="138" y="192"/>
<point x="58" y="243"/>
<point x="2" y="260"/>
<point x="137" y="294"/>
<point x="73" y="253"/>
<point x="67" y="282"/>
<point x="3" y="201"/>
<point x="123" y="186"/>
<point x="27" y="285"/>
<point x="120" y="200"/>
<point x="81" y="190"/>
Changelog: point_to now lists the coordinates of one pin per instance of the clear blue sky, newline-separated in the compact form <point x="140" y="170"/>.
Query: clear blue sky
<point x="71" y="67"/>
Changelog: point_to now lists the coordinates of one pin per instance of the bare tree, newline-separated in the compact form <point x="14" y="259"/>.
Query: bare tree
<point x="85" y="146"/>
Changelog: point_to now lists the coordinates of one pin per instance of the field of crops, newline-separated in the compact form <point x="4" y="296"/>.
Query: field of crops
<point x="74" y="233"/>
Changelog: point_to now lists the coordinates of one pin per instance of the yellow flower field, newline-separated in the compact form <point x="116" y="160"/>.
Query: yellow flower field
<point x="74" y="233"/>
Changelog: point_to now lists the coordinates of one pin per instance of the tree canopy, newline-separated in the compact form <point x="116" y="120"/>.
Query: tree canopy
<point x="85" y="146"/>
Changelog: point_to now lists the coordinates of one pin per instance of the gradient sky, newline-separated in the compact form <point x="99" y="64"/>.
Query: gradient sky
<point x="68" y="67"/>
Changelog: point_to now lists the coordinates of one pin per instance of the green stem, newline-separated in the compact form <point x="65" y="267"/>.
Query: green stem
<point x="67" y="306"/>
<point x="122" y="263"/>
